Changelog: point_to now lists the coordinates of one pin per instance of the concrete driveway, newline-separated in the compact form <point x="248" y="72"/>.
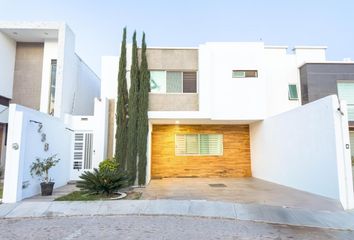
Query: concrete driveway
<point x="239" y="190"/>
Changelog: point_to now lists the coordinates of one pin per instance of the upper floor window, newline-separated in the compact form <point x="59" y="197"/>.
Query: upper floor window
<point x="293" y="95"/>
<point x="173" y="82"/>
<point x="53" y="73"/>
<point x="244" y="73"/>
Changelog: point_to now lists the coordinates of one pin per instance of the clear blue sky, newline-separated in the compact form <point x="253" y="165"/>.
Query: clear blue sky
<point x="97" y="24"/>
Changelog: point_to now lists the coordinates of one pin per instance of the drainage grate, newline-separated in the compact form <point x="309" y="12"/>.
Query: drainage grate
<point x="217" y="185"/>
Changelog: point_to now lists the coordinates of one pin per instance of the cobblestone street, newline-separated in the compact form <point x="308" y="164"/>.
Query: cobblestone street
<point x="156" y="227"/>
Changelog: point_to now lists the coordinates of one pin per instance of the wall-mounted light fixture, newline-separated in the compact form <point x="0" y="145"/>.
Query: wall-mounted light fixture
<point x="15" y="146"/>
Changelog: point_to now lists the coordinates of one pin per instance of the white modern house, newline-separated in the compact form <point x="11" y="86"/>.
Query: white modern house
<point x="217" y="110"/>
<point x="44" y="89"/>
<point x="234" y="110"/>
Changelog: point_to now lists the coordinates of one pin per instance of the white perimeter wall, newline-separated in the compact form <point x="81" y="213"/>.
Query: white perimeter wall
<point x="305" y="148"/>
<point x="25" y="134"/>
<point x="7" y="65"/>
<point x="98" y="125"/>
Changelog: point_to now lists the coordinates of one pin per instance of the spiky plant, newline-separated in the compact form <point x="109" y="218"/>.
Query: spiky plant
<point x="102" y="182"/>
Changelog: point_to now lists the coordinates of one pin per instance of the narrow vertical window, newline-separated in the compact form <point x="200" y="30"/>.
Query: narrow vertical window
<point x="293" y="95"/>
<point x="53" y="73"/>
<point x="174" y="82"/>
<point x="189" y="82"/>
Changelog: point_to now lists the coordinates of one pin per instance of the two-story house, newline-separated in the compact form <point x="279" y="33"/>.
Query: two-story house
<point x="234" y="110"/>
<point x="39" y="69"/>
<point x="203" y="100"/>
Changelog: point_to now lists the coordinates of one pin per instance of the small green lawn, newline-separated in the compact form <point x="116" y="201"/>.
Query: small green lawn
<point x="80" y="196"/>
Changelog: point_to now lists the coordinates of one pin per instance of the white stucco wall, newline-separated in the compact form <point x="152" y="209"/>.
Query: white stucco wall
<point x="305" y="148"/>
<point x="310" y="54"/>
<point x="250" y="98"/>
<point x="88" y="87"/>
<point x="18" y="161"/>
<point x="100" y="131"/>
<point x="50" y="52"/>
<point x="109" y="76"/>
<point x="7" y="65"/>
<point x="221" y="92"/>
<point x="66" y="73"/>
<point x="96" y="124"/>
<point x="280" y="70"/>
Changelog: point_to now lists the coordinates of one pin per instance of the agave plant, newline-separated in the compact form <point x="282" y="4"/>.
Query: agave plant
<point x="102" y="182"/>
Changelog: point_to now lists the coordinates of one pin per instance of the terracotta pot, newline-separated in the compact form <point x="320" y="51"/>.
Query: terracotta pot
<point x="47" y="188"/>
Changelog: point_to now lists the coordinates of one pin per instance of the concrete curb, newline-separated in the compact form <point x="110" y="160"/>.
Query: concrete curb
<point x="190" y="208"/>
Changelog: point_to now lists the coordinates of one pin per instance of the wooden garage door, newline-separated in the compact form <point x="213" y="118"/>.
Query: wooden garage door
<point x="234" y="161"/>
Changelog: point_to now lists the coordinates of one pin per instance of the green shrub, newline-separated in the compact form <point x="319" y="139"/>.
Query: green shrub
<point x="102" y="181"/>
<point x="41" y="167"/>
<point x="108" y="164"/>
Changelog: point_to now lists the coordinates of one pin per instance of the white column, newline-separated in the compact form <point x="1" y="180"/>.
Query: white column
<point x="14" y="153"/>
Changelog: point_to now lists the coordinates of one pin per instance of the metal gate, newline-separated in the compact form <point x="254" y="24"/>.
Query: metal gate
<point x="82" y="153"/>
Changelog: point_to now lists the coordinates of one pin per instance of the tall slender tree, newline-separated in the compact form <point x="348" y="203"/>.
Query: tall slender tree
<point x="122" y="107"/>
<point x="133" y="113"/>
<point x="143" y="122"/>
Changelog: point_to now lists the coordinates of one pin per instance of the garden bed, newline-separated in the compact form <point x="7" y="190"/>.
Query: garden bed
<point x="80" y="196"/>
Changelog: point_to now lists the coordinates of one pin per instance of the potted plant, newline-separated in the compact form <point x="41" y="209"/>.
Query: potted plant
<point x="40" y="168"/>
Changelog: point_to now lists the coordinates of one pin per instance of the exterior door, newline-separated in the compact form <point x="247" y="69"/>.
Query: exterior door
<point x="82" y="153"/>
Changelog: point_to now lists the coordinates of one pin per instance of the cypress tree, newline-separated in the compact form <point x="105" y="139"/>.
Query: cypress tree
<point x="122" y="107"/>
<point x="133" y="113"/>
<point x="143" y="122"/>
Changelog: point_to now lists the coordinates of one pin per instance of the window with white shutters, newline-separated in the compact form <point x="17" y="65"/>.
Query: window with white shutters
<point x="199" y="144"/>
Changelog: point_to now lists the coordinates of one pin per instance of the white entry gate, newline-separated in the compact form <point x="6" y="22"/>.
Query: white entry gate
<point x="82" y="153"/>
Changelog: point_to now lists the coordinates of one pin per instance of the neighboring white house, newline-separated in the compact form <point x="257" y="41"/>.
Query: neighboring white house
<point x="234" y="110"/>
<point x="40" y="71"/>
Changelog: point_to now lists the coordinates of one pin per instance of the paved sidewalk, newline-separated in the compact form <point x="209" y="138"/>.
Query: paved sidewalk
<point x="57" y="192"/>
<point x="194" y="208"/>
